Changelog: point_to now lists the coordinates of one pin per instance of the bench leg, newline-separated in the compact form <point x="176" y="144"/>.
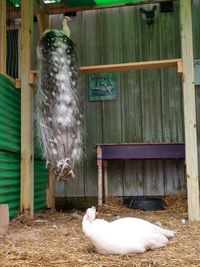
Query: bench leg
<point x="105" y="165"/>
<point x="100" y="184"/>
<point x="100" y="176"/>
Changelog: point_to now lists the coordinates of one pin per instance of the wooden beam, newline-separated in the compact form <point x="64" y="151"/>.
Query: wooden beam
<point x="60" y="8"/>
<point x="43" y="22"/>
<point x="192" y="173"/>
<point x="43" y="19"/>
<point x="27" y="156"/>
<point x="132" y="66"/>
<point x="3" y="36"/>
<point x="118" y="67"/>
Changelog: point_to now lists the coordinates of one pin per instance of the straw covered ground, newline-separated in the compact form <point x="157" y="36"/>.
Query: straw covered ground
<point x="56" y="239"/>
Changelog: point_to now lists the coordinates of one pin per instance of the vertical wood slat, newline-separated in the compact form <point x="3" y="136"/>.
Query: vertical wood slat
<point x="111" y="46"/>
<point x="171" y="101"/>
<point x="151" y="118"/>
<point x="91" y="38"/>
<point x="3" y="36"/>
<point x="130" y="85"/>
<point x="189" y="111"/>
<point x="27" y="157"/>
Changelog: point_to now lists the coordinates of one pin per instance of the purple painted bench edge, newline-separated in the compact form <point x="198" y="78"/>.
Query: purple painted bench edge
<point x="143" y="151"/>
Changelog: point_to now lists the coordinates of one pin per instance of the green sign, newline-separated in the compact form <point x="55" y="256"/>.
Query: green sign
<point x="102" y="86"/>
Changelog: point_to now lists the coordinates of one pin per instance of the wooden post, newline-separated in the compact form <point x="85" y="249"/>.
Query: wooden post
<point x="43" y="20"/>
<point x="4" y="218"/>
<point x="27" y="156"/>
<point x="50" y="195"/>
<point x="3" y="36"/>
<point x="192" y="174"/>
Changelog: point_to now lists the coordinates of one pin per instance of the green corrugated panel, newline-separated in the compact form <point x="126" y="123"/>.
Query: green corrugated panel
<point x="10" y="162"/>
<point x="10" y="181"/>
<point x="37" y="148"/>
<point x="40" y="184"/>
<point x="79" y="3"/>
<point x="9" y="116"/>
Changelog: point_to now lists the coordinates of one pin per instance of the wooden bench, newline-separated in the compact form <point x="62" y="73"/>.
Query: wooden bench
<point x="120" y="151"/>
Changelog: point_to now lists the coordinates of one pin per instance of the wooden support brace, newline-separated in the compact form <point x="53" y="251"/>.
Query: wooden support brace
<point x="180" y="67"/>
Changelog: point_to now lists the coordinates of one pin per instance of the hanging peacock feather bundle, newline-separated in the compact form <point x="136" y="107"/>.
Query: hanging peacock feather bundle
<point x="58" y="103"/>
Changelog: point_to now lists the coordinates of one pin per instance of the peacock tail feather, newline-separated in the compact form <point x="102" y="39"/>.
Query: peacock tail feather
<point x="58" y="103"/>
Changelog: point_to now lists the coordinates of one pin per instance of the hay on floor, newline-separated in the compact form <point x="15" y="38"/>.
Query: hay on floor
<point x="56" y="239"/>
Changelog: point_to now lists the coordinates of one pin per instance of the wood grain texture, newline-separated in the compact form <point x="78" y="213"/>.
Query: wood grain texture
<point x="131" y="66"/>
<point x="148" y="107"/>
<point x="192" y="172"/>
<point x="3" y="36"/>
<point x="27" y="157"/>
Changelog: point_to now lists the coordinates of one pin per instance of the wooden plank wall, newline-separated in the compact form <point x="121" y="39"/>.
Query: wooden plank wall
<point x="148" y="107"/>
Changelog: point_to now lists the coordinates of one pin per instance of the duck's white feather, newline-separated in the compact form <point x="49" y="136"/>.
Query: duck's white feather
<point x="123" y="236"/>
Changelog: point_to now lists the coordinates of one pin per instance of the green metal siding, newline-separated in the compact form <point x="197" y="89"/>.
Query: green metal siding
<point x="9" y="145"/>
<point x="40" y="184"/>
<point x="37" y="148"/>
<point x="10" y="181"/>
<point x="10" y="153"/>
<point x="9" y="116"/>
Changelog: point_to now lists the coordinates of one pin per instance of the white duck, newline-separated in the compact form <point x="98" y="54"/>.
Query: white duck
<point x="125" y="235"/>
